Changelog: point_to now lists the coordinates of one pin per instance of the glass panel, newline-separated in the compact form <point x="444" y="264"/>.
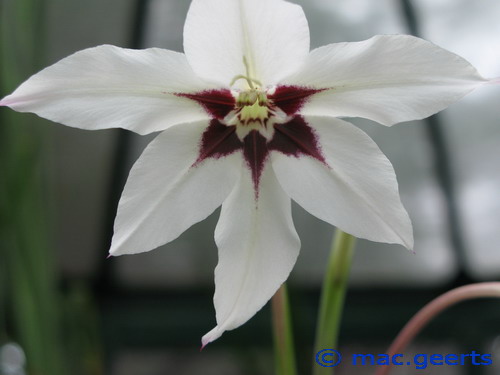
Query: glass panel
<point x="471" y="29"/>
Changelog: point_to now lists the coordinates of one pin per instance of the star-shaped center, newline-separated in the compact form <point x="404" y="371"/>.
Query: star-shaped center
<point x="257" y="122"/>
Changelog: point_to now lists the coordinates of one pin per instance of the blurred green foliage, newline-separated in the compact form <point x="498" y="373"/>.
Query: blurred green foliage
<point x="29" y="288"/>
<point x="57" y="333"/>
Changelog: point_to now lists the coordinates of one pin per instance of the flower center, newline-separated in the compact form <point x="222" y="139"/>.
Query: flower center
<point x="256" y="122"/>
<point x="254" y="110"/>
<point x="252" y="106"/>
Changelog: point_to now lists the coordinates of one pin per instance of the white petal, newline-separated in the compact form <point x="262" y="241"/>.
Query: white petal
<point x="273" y="35"/>
<point x="112" y="87"/>
<point x="165" y="194"/>
<point x="388" y="78"/>
<point x="357" y="191"/>
<point x="258" y="247"/>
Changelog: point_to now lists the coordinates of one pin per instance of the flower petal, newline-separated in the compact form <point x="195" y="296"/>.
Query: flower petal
<point x="355" y="190"/>
<point x="388" y="78"/>
<point x="167" y="192"/>
<point x="258" y="247"/>
<point x="112" y="87"/>
<point x="273" y="35"/>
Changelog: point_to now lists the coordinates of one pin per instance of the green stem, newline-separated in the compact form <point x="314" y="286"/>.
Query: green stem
<point x="332" y="296"/>
<point x="282" y="333"/>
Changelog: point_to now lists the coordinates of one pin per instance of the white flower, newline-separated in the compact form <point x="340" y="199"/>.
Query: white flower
<point x="249" y="119"/>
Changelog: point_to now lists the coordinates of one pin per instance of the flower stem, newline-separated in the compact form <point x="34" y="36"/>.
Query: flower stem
<point x="431" y="310"/>
<point x="333" y="295"/>
<point x="282" y="333"/>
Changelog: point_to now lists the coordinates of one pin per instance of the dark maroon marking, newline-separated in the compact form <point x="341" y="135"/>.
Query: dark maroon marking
<point x="217" y="141"/>
<point x="218" y="103"/>
<point x="296" y="138"/>
<point x="255" y="152"/>
<point x="291" y="99"/>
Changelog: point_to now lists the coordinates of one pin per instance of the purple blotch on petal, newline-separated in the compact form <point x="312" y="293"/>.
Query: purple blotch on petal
<point x="255" y="152"/>
<point x="217" y="141"/>
<point x="218" y="103"/>
<point x="296" y="138"/>
<point x="291" y="99"/>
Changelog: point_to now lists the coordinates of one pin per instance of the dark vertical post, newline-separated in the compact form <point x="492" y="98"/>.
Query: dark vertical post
<point x="103" y="282"/>
<point x="442" y="162"/>
<point x="120" y="167"/>
<point x="444" y="174"/>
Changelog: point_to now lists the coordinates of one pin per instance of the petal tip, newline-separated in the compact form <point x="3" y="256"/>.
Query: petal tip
<point x="409" y="245"/>
<point x="115" y="250"/>
<point x="204" y="343"/>
<point x="408" y="242"/>
<point x="403" y="238"/>
<point x="492" y="81"/>
<point x="211" y="336"/>
<point x="405" y="233"/>
<point x="119" y="247"/>
<point x="9" y="101"/>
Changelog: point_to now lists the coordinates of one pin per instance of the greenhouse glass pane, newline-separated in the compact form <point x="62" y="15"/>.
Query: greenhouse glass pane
<point x="471" y="29"/>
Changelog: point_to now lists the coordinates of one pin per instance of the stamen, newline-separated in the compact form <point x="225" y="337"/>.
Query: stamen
<point x="249" y="80"/>
<point x="247" y="77"/>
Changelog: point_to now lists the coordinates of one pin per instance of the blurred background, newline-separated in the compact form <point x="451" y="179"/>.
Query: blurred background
<point x="66" y="309"/>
